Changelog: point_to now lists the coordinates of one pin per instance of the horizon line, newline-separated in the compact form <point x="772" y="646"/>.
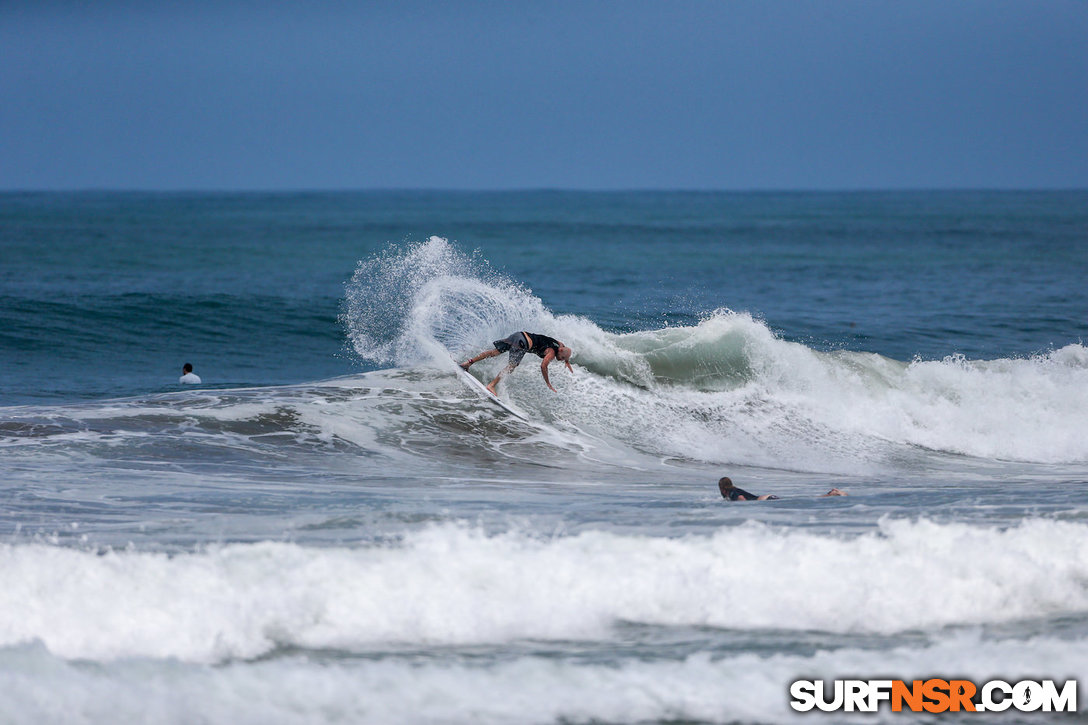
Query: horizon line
<point x="537" y="190"/>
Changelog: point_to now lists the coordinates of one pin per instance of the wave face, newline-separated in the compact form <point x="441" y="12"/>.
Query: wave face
<point x="728" y="389"/>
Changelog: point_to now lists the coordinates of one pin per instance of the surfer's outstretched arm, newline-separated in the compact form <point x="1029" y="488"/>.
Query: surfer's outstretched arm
<point x="563" y="354"/>
<point x="548" y="357"/>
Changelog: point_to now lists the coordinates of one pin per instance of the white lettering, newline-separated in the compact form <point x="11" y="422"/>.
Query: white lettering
<point x="804" y="695"/>
<point x="994" y="696"/>
<point x="821" y="700"/>
<point x="1027" y="696"/>
<point x="1065" y="701"/>
<point x="856" y="695"/>
<point x="988" y="702"/>
<point x="878" y="690"/>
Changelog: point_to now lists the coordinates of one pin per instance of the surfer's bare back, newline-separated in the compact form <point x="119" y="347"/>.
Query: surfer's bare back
<point x="517" y="345"/>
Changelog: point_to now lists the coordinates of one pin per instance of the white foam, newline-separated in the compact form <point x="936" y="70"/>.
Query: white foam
<point x="727" y="390"/>
<point x="422" y="303"/>
<point x="1033" y="409"/>
<point x="733" y="688"/>
<point x="456" y="585"/>
<point x="798" y="408"/>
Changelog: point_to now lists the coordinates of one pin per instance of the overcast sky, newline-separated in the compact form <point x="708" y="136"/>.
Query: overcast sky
<point x="761" y="94"/>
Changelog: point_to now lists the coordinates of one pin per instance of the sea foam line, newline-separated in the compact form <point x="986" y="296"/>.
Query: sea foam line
<point x="457" y="585"/>
<point x="38" y="687"/>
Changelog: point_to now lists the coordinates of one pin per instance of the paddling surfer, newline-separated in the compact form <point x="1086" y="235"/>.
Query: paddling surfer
<point x="732" y="493"/>
<point x="517" y="345"/>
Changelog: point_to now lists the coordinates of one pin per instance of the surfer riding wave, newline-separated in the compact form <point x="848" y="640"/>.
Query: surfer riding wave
<point x="517" y="345"/>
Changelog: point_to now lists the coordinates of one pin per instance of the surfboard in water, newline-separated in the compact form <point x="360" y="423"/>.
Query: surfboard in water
<point x="472" y="382"/>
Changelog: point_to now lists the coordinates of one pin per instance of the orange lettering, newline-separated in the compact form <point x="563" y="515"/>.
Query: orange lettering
<point x="935" y="692"/>
<point x="912" y="695"/>
<point x="961" y="692"/>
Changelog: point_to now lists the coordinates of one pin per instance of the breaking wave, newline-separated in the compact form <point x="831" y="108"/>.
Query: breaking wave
<point x="727" y="389"/>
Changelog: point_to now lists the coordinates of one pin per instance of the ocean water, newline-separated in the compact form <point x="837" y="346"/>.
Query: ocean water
<point x="333" y="528"/>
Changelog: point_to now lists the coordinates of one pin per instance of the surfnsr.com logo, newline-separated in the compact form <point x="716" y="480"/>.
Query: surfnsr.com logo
<point x="933" y="695"/>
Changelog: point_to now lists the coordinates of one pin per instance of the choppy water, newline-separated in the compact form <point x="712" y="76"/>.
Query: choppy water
<point x="334" y="528"/>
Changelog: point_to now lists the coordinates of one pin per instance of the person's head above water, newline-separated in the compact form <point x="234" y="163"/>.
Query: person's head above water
<point x="724" y="484"/>
<point x="563" y="355"/>
<point x="188" y="376"/>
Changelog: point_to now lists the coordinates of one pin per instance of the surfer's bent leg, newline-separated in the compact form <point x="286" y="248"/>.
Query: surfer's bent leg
<point x="513" y="343"/>
<point x="493" y="385"/>
<point x="518" y="347"/>
<point x="482" y="356"/>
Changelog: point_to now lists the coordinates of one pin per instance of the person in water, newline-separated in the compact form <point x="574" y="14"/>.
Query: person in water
<point x="732" y="493"/>
<point x="517" y="345"/>
<point x="187" y="375"/>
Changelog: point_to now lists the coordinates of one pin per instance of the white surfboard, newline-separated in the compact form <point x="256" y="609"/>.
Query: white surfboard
<point x="472" y="382"/>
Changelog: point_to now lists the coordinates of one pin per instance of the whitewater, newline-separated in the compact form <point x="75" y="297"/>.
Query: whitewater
<point x="384" y="545"/>
<point x="728" y="389"/>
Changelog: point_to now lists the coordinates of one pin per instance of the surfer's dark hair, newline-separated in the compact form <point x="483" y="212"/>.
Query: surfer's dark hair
<point x="187" y="368"/>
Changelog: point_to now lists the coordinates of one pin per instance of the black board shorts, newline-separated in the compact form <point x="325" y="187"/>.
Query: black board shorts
<point x="515" y="345"/>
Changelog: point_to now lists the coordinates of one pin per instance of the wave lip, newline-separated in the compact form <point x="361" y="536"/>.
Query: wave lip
<point x="418" y="304"/>
<point x="455" y="585"/>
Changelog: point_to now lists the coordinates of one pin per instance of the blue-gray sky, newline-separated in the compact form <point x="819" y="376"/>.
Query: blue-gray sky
<point x="759" y="94"/>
